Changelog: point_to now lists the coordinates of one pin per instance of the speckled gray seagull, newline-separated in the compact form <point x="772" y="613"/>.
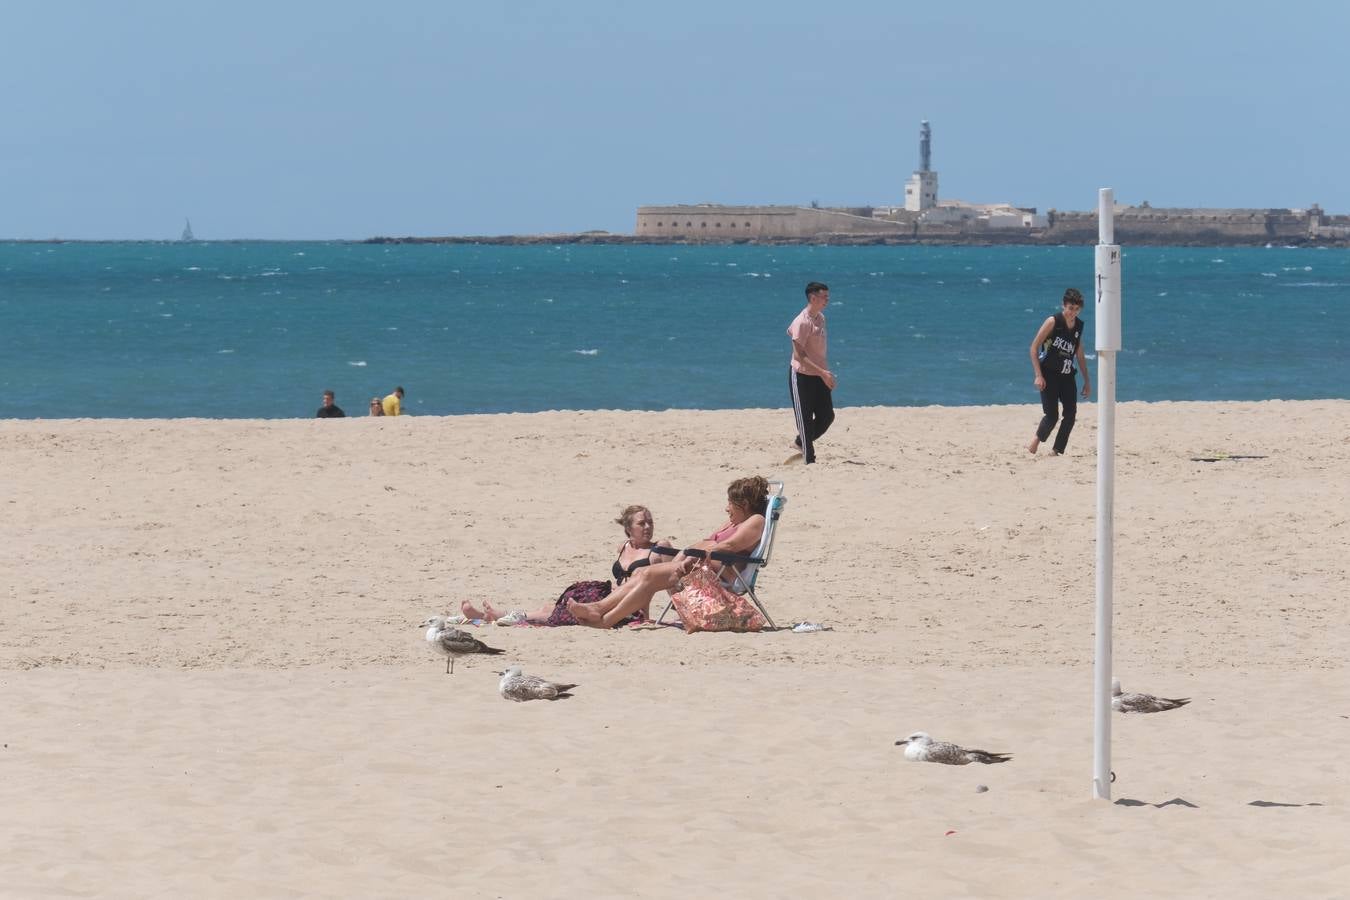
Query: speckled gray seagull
<point x="1141" y="703"/>
<point x="919" y="747"/>
<point x="452" y="642"/>
<point x="520" y="687"/>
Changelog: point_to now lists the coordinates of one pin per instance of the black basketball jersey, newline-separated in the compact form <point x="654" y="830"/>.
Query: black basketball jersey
<point x="1057" y="353"/>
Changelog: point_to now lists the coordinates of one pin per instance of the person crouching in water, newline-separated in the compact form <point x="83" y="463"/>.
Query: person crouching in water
<point x="1058" y="343"/>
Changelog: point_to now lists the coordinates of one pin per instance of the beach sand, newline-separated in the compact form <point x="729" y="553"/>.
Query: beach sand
<point x="215" y="685"/>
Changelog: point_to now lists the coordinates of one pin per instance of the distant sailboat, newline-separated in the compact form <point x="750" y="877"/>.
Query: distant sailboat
<point x="187" y="231"/>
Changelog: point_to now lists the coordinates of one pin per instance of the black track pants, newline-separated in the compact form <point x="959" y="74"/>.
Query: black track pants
<point x="813" y="407"/>
<point x="1063" y="390"/>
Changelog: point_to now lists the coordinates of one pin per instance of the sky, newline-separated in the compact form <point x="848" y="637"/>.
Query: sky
<point x="338" y="120"/>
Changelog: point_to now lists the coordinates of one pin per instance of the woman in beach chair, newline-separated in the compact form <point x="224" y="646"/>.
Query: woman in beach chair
<point x="747" y="500"/>
<point x="636" y="552"/>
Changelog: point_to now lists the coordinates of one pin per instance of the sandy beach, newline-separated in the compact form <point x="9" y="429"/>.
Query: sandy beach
<point x="215" y="684"/>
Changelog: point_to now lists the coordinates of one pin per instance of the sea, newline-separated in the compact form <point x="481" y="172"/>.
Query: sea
<point x="260" y="329"/>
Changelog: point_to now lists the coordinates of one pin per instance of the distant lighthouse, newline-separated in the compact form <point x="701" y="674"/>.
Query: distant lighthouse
<point x="921" y="189"/>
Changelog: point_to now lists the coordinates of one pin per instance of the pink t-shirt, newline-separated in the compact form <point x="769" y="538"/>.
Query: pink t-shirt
<point x="809" y="331"/>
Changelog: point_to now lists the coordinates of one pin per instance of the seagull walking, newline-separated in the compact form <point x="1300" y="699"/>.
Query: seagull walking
<point x="919" y="747"/>
<point x="452" y="642"/>
<point x="1141" y="703"/>
<point x="520" y="687"/>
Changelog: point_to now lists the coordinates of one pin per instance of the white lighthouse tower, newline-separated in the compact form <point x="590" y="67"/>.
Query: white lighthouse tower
<point x="921" y="189"/>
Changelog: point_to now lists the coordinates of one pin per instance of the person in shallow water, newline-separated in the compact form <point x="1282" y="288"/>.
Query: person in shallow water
<point x="393" y="404"/>
<point x="329" y="409"/>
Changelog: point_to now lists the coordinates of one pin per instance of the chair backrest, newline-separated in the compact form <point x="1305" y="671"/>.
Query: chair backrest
<point x="772" y="513"/>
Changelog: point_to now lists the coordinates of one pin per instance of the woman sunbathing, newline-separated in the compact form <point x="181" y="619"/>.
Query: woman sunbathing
<point x="747" y="500"/>
<point x="634" y="553"/>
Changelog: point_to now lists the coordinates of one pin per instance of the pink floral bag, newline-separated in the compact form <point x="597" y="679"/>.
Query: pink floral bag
<point x="705" y="604"/>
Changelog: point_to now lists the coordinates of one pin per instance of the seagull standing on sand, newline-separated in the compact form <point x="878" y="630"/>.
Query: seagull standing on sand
<point x="453" y="642"/>
<point x="1141" y="703"/>
<point x="519" y="687"/>
<point x="919" y="747"/>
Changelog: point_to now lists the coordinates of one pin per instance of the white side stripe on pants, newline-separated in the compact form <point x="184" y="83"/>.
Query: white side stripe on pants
<point x="797" y="413"/>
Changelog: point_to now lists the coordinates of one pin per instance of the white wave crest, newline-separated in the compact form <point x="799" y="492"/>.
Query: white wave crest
<point x="587" y="352"/>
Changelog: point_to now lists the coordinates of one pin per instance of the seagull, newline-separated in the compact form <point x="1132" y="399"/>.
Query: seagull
<point x="1141" y="703"/>
<point x="518" y="687"/>
<point x="919" y="747"/>
<point x="453" y="642"/>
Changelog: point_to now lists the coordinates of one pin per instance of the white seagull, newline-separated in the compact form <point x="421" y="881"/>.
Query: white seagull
<point x="452" y="642"/>
<point x="1141" y="703"/>
<point x="919" y="747"/>
<point x="519" y="687"/>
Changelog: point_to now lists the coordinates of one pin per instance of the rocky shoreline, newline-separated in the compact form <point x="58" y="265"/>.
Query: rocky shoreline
<point x="1038" y="239"/>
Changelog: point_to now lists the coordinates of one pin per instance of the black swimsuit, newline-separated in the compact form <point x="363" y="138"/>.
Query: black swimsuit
<point x="621" y="574"/>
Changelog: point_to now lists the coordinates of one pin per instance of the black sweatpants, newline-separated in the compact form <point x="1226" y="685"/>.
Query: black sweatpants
<point x="1061" y="389"/>
<point x="813" y="407"/>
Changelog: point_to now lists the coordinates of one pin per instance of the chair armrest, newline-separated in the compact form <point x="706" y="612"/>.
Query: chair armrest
<point x="730" y="558"/>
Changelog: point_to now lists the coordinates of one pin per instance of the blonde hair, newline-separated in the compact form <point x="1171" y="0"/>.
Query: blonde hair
<point x="629" y="514"/>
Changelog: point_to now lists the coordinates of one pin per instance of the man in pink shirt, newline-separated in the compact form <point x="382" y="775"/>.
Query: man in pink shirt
<point x="809" y="378"/>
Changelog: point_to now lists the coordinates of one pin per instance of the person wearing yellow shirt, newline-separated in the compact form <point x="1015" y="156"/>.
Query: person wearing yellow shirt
<point x="393" y="404"/>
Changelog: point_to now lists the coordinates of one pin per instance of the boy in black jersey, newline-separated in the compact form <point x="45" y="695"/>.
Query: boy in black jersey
<point x="1058" y="343"/>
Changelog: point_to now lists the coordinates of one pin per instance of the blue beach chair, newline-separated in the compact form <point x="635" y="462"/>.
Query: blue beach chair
<point x="742" y="581"/>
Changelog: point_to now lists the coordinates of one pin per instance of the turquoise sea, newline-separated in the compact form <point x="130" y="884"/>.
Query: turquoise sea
<point x="258" y="330"/>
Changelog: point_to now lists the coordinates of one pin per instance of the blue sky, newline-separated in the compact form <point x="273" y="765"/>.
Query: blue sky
<point x="343" y="120"/>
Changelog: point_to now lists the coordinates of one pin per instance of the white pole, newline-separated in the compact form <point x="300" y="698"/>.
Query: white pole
<point x="1107" y="324"/>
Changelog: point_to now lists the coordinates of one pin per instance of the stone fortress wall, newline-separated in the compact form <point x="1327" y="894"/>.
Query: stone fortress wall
<point x="711" y="222"/>
<point x="1149" y="225"/>
<point x="1138" y="225"/>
